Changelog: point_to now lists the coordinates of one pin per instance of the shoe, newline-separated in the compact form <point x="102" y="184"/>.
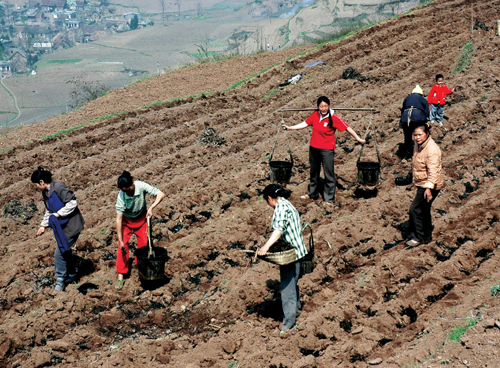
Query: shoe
<point x="119" y="284"/>
<point x="59" y="287"/>
<point x="413" y="242"/>
<point x="427" y="241"/>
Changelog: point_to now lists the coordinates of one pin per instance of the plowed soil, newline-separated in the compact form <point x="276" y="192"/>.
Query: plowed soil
<point x="370" y="299"/>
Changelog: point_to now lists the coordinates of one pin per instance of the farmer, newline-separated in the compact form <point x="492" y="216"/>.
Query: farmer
<point x="286" y="225"/>
<point x="415" y="111"/>
<point x="64" y="217"/>
<point x="428" y="178"/>
<point x="131" y="213"/>
<point x="322" y="147"/>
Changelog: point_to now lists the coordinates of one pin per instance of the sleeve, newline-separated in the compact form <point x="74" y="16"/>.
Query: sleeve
<point x="280" y="219"/>
<point x="68" y="208"/>
<point x="120" y="204"/>
<point x="433" y="168"/>
<point x="310" y="119"/>
<point x="426" y="108"/>
<point x="64" y="193"/>
<point x="339" y="124"/>
<point x="149" y="189"/>
<point x="431" y="93"/>
<point x="45" y="220"/>
<point x="448" y="90"/>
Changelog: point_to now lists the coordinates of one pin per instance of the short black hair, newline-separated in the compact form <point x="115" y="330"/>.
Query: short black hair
<point x="425" y="126"/>
<point x="438" y="76"/>
<point x="275" y="191"/>
<point x="125" y="180"/>
<point x="41" y="174"/>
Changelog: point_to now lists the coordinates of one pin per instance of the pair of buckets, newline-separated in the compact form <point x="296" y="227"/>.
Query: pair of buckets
<point x="368" y="171"/>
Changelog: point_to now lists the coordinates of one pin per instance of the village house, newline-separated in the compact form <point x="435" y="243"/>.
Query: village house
<point x="4" y="66"/>
<point x="18" y="61"/>
<point x="52" y="5"/>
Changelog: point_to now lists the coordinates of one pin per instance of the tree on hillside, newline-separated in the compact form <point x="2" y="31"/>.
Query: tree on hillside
<point x="134" y="23"/>
<point x="162" y="4"/>
<point x="179" y="2"/>
<point x="84" y="90"/>
<point x="199" y="9"/>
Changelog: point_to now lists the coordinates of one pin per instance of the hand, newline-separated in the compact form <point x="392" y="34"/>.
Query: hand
<point x="362" y="141"/>
<point x="56" y="215"/>
<point x="262" y="251"/>
<point x="149" y="213"/>
<point x="286" y="127"/>
<point x="452" y="90"/>
<point x="121" y="245"/>
<point x="40" y="231"/>
<point x="428" y="195"/>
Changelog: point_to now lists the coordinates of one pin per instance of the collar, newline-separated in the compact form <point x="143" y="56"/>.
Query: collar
<point x="321" y="117"/>
<point x="422" y="146"/>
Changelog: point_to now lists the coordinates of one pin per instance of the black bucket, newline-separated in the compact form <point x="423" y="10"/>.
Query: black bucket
<point x="281" y="171"/>
<point x="152" y="268"/>
<point x="368" y="173"/>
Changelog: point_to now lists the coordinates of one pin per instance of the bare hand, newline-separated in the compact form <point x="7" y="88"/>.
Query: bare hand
<point x="428" y="195"/>
<point x="262" y="251"/>
<point x="286" y="127"/>
<point x="121" y="245"/>
<point x="149" y="213"/>
<point x="362" y="141"/>
<point x="40" y="231"/>
<point x="55" y="214"/>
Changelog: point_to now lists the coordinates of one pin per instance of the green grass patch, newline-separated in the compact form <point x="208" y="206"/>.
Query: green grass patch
<point x="458" y="331"/>
<point x="64" y="61"/>
<point x="7" y="150"/>
<point x="270" y="93"/>
<point x="121" y="48"/>
<point x="495" y="290"/>
<point x="464" y="59"/>
<point x="62" y="132"/>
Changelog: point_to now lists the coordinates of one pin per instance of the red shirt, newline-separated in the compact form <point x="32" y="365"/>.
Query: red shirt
<point x="437" y="95"/>
<point x="323" y="137"/>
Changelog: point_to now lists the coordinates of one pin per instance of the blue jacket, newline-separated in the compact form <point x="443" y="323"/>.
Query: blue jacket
<point x="420" y="111"/>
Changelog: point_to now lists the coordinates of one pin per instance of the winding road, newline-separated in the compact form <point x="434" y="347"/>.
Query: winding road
<point x="15" y="102"/>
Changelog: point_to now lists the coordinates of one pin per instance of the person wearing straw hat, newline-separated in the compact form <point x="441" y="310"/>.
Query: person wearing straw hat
<point x="131" y="217"/>
<point x="415" y="111"/>
<point x="322" y="147"/>
<point x="286" y="226"/>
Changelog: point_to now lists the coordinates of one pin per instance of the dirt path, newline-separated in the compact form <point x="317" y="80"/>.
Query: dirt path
<point x="15" y="103"/>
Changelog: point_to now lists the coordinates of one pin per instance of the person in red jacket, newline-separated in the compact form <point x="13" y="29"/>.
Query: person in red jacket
<point x="437" y="99"/>
<point x="324" y="124"/>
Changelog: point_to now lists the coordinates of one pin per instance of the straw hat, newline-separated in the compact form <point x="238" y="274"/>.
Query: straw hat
<point x="418" y="90"/>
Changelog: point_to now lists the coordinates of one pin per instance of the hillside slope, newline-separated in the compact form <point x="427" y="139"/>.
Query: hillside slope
<point x="369" y="296"/>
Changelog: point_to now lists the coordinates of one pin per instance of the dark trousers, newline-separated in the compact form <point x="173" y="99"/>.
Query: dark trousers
<point x="317" y="158"/>
<point x="408" y="133"/>
<point x="65" y="263"/>
<point x="420" y="216"/>
<point x="290" y="299"/>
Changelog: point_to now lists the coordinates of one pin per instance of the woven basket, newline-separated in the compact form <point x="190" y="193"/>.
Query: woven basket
<point x="289" y="256"/>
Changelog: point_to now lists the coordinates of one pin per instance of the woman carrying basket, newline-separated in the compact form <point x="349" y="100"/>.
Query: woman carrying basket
<point x="131" y="213"/>
<point x="322" y="147"/>
<point x="286" y="225"/>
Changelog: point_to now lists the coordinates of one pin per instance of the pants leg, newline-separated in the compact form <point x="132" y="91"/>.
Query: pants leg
<point x="327" y="159"/>
<point x="420" y="215"/>
<point x="315" y="164"/>
<point x="122" y="256"/>
<point x="290" y="299"/>
<point x="432" y="115"/>
<point x="142" y="236"/>
<point x="408" y="134"/>
<point x="64" y="262"/>
<point x="440" y="114"/>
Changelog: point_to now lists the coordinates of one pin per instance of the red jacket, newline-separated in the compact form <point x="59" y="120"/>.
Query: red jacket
<point x="437" y="95"/>
<point x="323" y="137"/>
